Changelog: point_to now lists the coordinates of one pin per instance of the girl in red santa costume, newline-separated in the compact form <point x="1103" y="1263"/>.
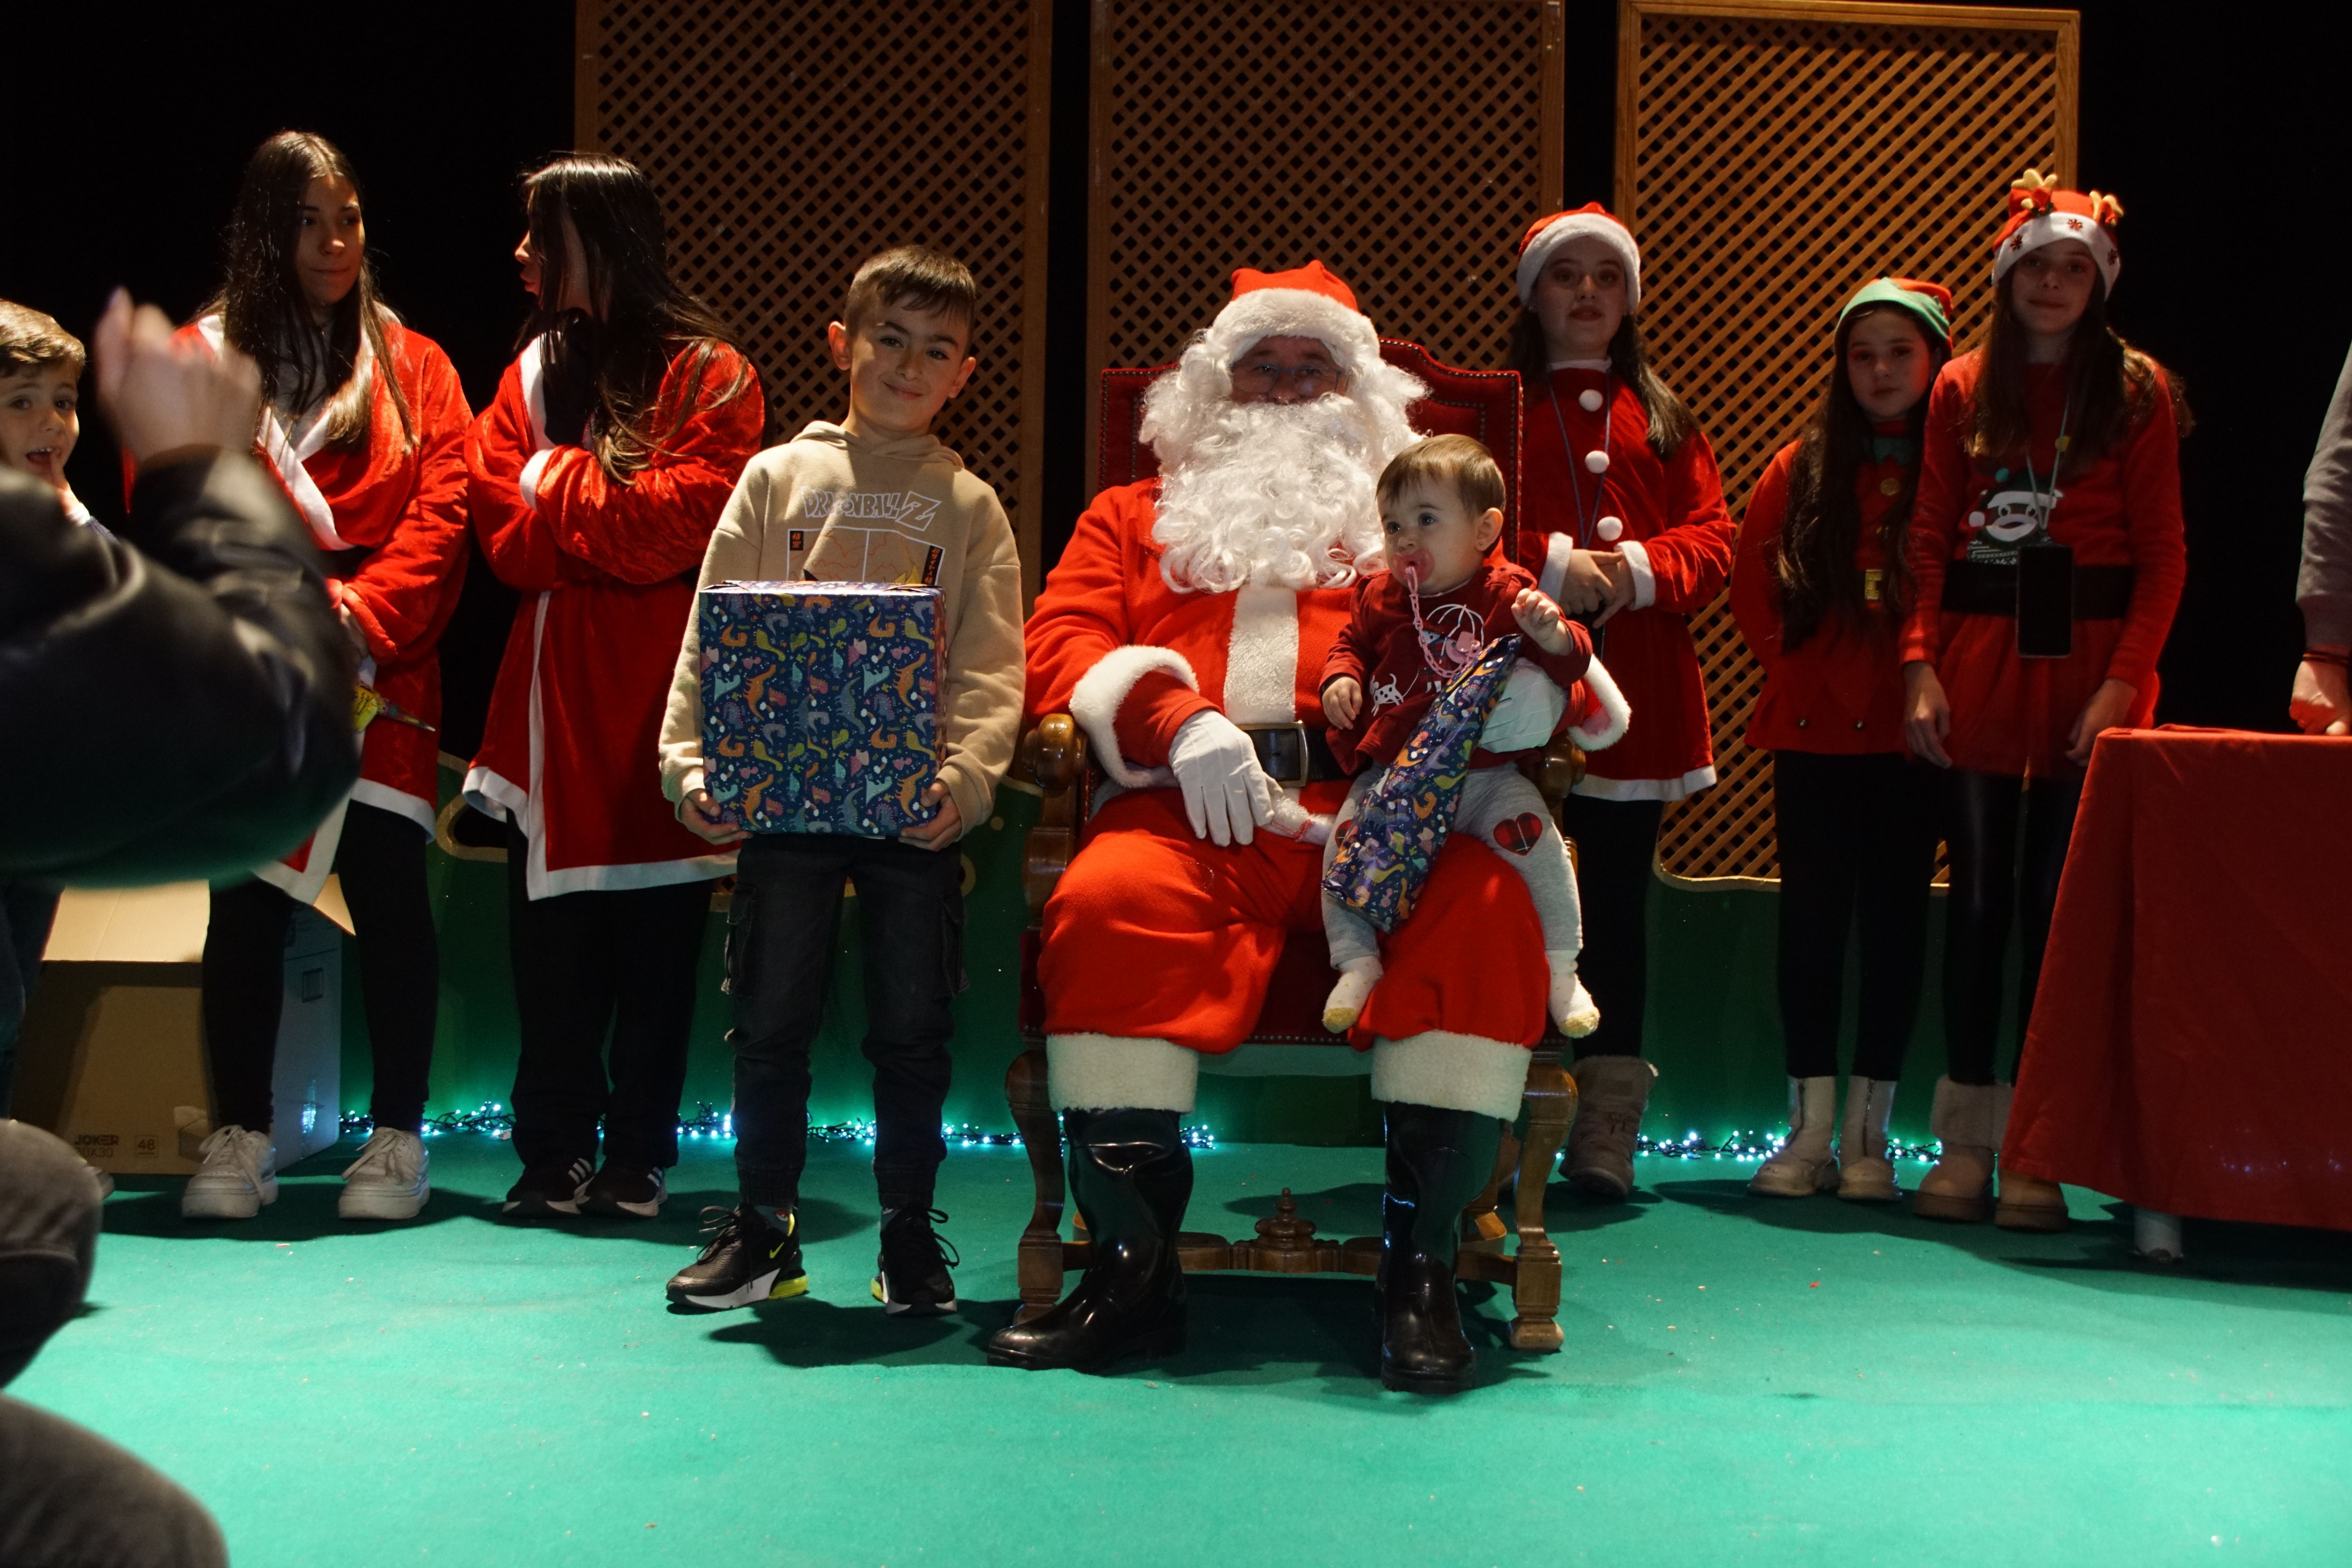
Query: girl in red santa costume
<point x="2049" y="558"/>
<point x="1820" y="588"/>
<point x="1624" y="509"/>
<point x="597" y="475"/>
<point x="1186" y="629"/>
<point x="363" y="426"/>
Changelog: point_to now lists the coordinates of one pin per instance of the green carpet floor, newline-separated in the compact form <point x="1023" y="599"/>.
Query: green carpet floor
<point x="1743" y="1382"/>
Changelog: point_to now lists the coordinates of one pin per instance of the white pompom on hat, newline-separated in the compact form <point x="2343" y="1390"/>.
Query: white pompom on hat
<point x="1591" y="221"/>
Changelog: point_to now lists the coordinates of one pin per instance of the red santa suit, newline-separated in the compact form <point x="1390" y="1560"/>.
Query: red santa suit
<point x="1159" y="944"/>
<point x="1676" y="535"/>
<point x="390" y="517"/>
<point x="570" y="747"/>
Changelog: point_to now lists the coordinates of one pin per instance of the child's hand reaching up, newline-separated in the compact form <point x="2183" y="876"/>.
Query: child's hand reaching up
<point x="1541" y="620"/>
<point x="1342" y="699"/>
<point x="941" y="830"/>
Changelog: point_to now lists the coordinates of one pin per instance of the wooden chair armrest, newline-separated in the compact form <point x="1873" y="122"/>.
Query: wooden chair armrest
<point x="1558" y="771"/>
<point x="1055" y="755"/>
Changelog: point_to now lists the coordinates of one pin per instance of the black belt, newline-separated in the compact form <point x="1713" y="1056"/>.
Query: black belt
<point x="1989" y="588"/>
<point x="1292" y="754"/>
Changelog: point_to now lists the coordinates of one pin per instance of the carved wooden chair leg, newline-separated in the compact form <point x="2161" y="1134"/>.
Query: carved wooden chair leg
<point x="1480" y="1223"/>
<point x="1535" y="1292"/>
<point x="1041" y="1137"/>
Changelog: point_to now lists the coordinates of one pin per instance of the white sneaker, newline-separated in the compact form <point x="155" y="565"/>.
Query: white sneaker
<point x="389" y="1180"/>
<point x="239" y="1175"/>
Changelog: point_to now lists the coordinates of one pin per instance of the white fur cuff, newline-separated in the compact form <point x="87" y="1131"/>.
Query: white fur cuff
<point x="1106" y="1072"/>
<point x="1102" y="691"/>
<point x="1599" y="731"/>
<point x="1453" y="1072"/>
<point x="1646" y="581"/>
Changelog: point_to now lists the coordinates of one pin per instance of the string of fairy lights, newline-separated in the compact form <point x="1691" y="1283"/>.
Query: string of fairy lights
<point x="708" y="1123"/>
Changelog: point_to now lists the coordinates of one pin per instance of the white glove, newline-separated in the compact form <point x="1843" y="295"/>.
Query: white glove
<point x="1226" y="794"/>
<point x="1527" y="713"/>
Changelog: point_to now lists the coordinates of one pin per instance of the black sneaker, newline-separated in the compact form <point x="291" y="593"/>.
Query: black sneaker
<point x="914" y="1264"/>
<point x="552" y="1186"/>
<point x="745" y="1261"/>
<point x="629" y="1192"/>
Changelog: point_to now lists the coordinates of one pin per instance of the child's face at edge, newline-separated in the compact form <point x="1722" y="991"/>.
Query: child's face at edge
<point x="1888" y="362"/>
<point x="330" y="243"/>
<point x="1580" y="297"/>
<point x="1430" y="532"/>
<point x="38" y="423"/>
<point x="904" y="365"/>
<point x="2050" y="288"/>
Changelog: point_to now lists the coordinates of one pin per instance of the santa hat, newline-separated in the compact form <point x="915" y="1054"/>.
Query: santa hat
<point x="1591" y="221"/>
<point x="2041" y="212"/>
<point x="1930" y="303"/>
<point x="1304" y="302"/>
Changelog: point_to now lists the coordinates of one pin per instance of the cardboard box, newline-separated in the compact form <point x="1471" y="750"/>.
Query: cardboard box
<point x="112" y="1055"/>
<point x="820" y="705"/>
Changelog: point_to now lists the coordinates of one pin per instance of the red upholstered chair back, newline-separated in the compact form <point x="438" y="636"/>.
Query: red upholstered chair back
<point x="1482" y="403"/>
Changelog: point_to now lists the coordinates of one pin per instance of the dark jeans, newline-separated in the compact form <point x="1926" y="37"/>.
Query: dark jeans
<point x="1995" y="868"/>
<point x="381" y="860"/>
<point x="69" y="1498"/>
<point x="1616" y="848"/>
<point x="587" y="965"/>
<point x="25" y="915"/>
<point x="781" y="936"/>
<point x="1857" y="842"/>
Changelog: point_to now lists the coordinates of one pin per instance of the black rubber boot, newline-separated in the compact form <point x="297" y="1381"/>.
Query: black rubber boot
<point x="1131" y="1176"/>
<point x="1438" y="1161"/>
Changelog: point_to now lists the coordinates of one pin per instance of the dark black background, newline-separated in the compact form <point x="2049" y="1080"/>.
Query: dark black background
<point x="127" y="134"/>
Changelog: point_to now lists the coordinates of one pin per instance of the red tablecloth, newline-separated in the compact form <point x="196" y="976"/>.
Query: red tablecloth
<point x="2190" y="1049"/>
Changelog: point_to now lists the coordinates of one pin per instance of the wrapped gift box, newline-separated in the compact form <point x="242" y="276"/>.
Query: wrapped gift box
<point x="820" y="705"/>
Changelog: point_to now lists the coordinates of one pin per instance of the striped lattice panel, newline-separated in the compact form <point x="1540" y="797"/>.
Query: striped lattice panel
<point x="1769" y="158"/>
<point x="791" y="140"/>
<point x="1405" y="145"/>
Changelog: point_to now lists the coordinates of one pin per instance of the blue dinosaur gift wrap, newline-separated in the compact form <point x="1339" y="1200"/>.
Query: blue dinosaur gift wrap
<point x="820" y="705"/>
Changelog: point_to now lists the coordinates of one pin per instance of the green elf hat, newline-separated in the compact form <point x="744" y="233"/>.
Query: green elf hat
<point x="1931" y="302"/>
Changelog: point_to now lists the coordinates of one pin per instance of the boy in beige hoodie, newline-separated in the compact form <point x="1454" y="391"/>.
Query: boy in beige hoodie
<point x="874" y="499"/>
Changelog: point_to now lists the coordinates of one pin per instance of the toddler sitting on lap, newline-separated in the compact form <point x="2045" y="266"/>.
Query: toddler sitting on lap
<point x="1416" y="626"/>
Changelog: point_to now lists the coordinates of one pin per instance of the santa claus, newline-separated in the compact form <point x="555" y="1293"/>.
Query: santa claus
<point x="1185" y="628"/>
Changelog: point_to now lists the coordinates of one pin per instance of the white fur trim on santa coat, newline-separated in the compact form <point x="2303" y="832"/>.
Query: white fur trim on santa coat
<point x="1586" y="225"/>
<point x="1598" y="731"/>
<point x="1102" y="691"/>
<point x="1262" y="658"/>
<point x="1108" y="1072"/>
<point x="1262" y="313"/>
<point x="1451" y="1071"/>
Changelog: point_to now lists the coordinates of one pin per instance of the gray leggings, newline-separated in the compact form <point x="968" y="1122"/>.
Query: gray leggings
<point x="1505" y="813"/>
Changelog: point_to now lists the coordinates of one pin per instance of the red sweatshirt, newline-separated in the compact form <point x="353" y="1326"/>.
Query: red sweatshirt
<point x="1382" y="650"/>
<point x="1841" y="689"/>
<point x="2012" y="715"/>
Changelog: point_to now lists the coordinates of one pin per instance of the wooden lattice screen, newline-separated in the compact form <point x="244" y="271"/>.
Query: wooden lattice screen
<point x="1405" y="142"/>
<point x="791" y="139"/>
<point x="1770" y="157"/>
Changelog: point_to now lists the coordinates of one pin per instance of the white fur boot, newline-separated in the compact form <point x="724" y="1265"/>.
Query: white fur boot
<point x="1572" y="1008"/>
<point x="1804" y="1164"/>
<point x="1864" y="1173"/>
<point x="1346" y="1003"/>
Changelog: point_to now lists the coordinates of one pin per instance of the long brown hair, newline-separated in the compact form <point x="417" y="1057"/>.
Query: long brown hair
<point x="2108" y="384"/>
<point x="265" y="314"/>
<point x="1671" y="422"/>
<point x="644" y="319"/>
<point x="1814" y="563"/>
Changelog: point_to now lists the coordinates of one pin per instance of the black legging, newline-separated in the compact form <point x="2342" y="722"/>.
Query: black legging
<point x="588" y="965"/>
<point x="1983" y="826"/>
<point x="1616" y="843"/>
<point x="381" y="860"/>
<point x="1857" y="842"/>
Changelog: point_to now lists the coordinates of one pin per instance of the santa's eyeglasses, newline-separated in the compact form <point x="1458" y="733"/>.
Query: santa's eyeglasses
<point x="1259" y="380"/>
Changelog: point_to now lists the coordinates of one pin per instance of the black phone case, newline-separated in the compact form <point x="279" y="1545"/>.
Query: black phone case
<point x="2045" y="601"/>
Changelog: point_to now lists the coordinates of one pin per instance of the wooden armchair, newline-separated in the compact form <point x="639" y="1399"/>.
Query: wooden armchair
<point x="1485" y="404"/>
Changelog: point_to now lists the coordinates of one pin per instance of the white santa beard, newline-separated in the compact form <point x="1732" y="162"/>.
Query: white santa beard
<point x="1271" y="495"/>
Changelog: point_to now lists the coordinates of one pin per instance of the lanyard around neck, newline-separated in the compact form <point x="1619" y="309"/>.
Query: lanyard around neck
<point x="2046" y="501"/>
<point x="1585" y="520"/>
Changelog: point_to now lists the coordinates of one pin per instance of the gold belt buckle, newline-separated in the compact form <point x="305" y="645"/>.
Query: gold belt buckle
<point x="1306" y="757"/>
